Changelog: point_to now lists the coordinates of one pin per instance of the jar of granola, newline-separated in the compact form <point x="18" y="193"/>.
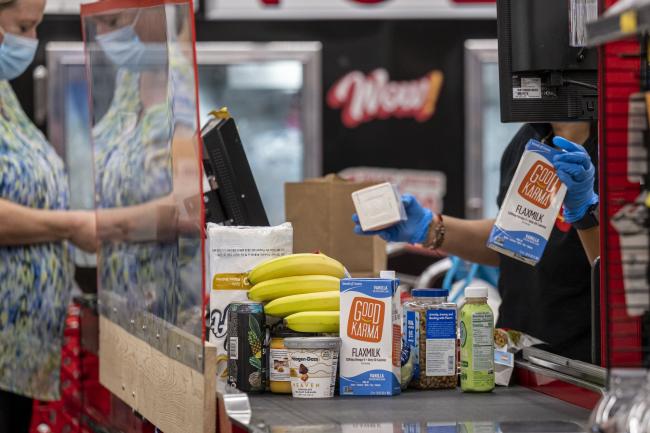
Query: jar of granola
<point x="430" y="324"/>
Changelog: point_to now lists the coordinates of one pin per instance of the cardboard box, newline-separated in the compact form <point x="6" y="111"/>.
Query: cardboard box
<point x="321" y="213"/>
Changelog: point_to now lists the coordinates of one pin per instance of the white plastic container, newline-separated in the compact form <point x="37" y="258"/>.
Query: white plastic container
<point x="313" y="363"/>
<point x="378" y="207"/>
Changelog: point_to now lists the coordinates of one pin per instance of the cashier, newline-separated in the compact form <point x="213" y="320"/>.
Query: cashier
<point x="550" y="301"/>
<point x="36" y="267"/>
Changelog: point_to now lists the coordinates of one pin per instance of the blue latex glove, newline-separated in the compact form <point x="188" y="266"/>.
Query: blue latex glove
<point x="575" y="170"/>
<point x="413" y="230"/>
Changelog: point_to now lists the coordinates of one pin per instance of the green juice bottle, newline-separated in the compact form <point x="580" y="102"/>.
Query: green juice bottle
<point x="476" y="342"/>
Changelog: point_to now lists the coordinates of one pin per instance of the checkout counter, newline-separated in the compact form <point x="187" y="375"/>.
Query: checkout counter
<point x="548" y="393"/>
<point x="532" y="406"/>
<point x="536" y="403"/>
<point x="514" y="410"/>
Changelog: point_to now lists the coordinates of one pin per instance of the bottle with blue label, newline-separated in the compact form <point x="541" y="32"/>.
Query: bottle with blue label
<point x="430" y="324"/>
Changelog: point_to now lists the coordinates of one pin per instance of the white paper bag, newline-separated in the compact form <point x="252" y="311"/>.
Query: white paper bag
<point x="233" y="251"/>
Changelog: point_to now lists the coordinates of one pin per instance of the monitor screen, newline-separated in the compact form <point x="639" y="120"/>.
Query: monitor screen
<point x="233" y="197"/>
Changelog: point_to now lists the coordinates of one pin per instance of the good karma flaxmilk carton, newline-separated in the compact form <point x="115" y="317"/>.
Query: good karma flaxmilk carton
<point x="531" y="206"/>
<point x="371" y="337"/>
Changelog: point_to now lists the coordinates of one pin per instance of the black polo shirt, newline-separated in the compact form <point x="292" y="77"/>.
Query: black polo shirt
<point x="552" y="300"/>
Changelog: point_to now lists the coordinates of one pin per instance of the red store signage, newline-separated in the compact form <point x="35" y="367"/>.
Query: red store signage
<point x="277" y="2"/>
<point x="349" y="9"/>
<point x="363" y="98"/>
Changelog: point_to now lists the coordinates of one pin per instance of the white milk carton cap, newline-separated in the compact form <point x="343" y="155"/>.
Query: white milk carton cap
<point x="476" y="292"/>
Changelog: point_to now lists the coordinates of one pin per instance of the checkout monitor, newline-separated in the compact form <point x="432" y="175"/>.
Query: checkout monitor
<point x="542" y="78"/>
<point x="232" y="197"/>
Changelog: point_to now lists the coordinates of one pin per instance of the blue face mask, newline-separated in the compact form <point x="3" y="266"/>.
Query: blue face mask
<point x="16" y="54"/>
<point x="124" y="49"/>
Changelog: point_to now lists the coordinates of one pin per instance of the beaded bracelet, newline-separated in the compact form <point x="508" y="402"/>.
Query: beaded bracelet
<point x="436" y="233"/>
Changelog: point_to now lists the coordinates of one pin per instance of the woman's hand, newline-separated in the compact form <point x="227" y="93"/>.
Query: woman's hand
<point x="84" y="233"/>
<point x="413" y="230"/>
<point x="576" y="171"/>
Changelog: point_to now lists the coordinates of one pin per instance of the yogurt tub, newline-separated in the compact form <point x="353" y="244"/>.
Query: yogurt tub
<point x="313" y="363"/>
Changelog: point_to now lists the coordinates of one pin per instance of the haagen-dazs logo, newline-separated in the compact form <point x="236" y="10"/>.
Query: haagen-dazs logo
<point x="366" y="320"/>
<point x="363" y="98"/>
<point x="540" y="185"/>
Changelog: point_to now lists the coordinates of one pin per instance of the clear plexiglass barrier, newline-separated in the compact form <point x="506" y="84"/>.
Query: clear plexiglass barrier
<point x="141" y="66"/>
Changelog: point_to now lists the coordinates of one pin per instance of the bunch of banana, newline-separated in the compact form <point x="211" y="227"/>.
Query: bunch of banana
<point x="287" y="286"/>
<point x="301" y="288"/>
<point x="295" y="265"/>
<point x="314" y="321"/>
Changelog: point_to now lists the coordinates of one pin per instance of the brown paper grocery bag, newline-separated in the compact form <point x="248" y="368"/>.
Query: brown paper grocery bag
<point x="321" y="213"/>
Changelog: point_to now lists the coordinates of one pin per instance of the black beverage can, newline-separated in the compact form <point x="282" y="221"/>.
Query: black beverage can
<point x="247" y="346"/>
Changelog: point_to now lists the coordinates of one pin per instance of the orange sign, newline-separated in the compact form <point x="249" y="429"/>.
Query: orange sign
<point x="540" y="185"/>
<point x="366" y="321"/>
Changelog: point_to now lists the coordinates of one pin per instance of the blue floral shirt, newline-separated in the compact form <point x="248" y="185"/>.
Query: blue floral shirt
<point x="35" y="280"/>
